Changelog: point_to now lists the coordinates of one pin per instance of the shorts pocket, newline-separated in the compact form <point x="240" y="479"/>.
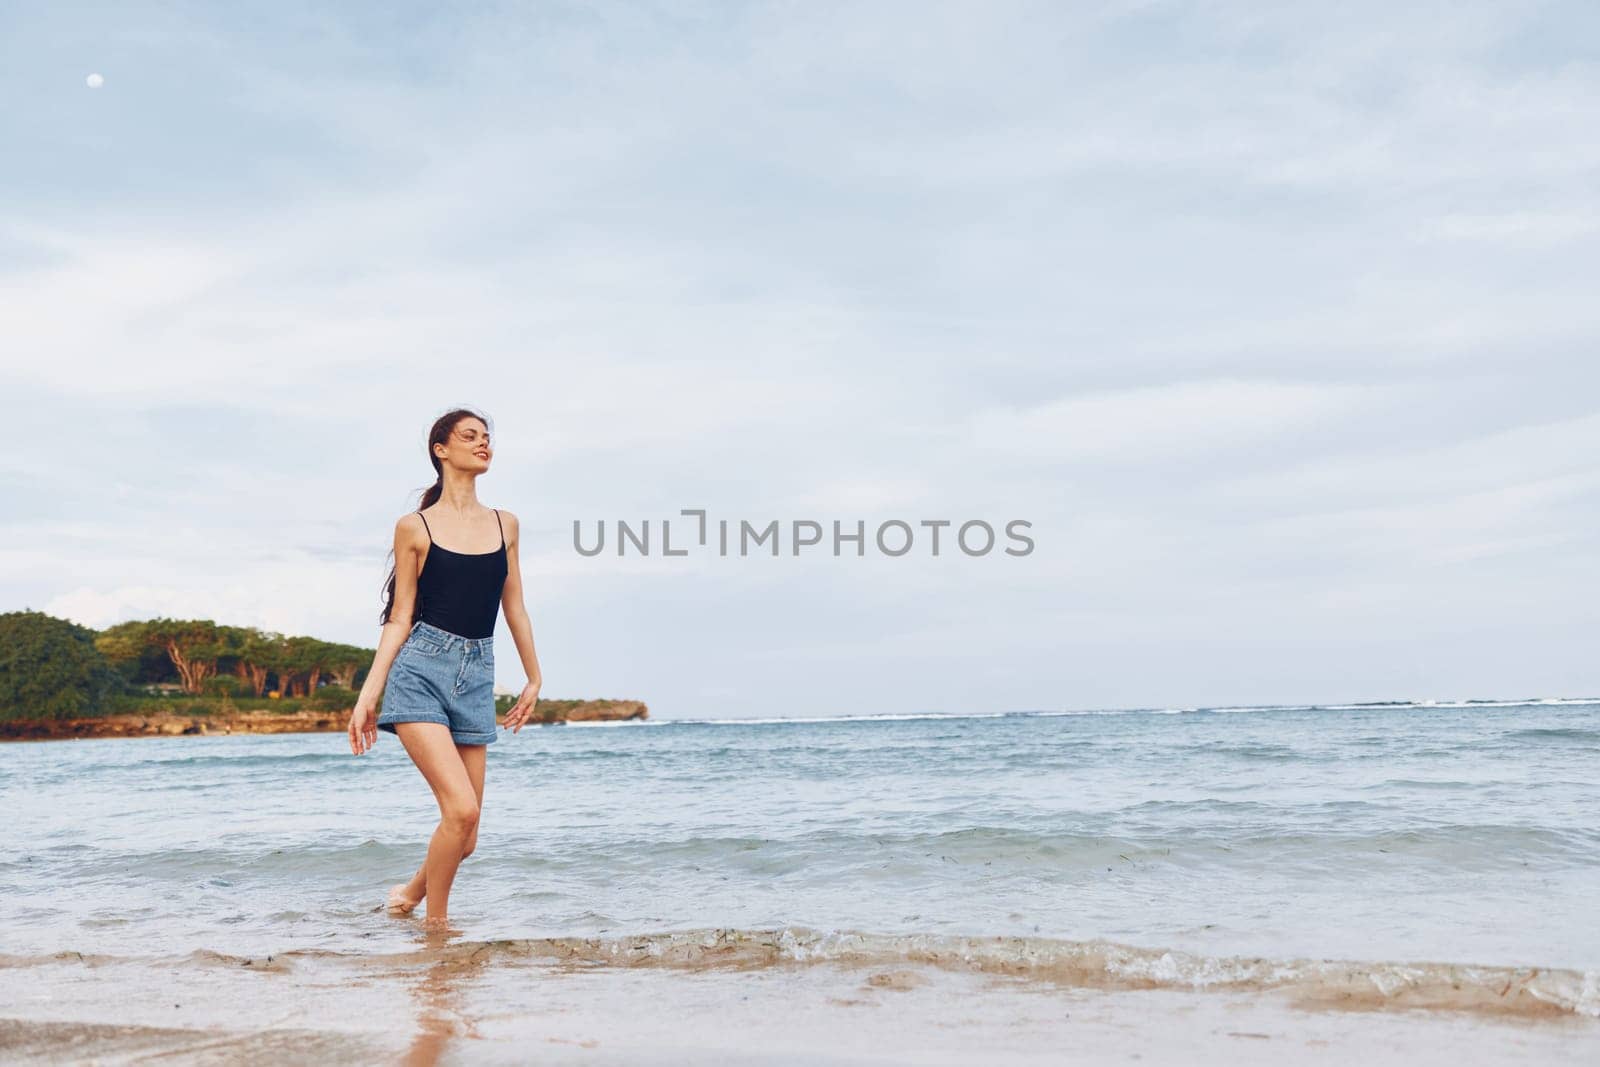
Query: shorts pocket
<point x="424" y="644"/>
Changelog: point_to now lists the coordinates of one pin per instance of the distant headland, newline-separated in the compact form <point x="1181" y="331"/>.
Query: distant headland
<point x="176" y="677"/>
<point x="177" y="723"/>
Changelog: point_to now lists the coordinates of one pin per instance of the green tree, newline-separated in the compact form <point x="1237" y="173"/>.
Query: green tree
<point x="252" y="652"/>
<point x="192" y="645"/>
<point x="347" y="663"/>
<point x="51" y="669"/>
<point x="296" y="656"/>
<point x="131" y="652"/>
<point x="301" y="662"/>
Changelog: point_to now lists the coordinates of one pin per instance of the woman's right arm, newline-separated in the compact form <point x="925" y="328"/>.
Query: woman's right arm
<point x="408" y="544"/>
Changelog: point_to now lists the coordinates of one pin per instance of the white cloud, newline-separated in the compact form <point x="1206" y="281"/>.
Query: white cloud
<point x="1259" y="312"/>
<point x="1531" y="228"/>
<point x="1155" y="423"/>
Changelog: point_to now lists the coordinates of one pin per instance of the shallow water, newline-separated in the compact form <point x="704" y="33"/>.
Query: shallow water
<point x="1388" y="834"/>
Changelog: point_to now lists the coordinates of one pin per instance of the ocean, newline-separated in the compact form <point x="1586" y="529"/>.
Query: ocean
<point x="1443" y="853"/>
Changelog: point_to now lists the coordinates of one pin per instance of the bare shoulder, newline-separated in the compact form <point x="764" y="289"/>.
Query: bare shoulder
<point x="509" y="520"/>
<point x="409" y="528"/>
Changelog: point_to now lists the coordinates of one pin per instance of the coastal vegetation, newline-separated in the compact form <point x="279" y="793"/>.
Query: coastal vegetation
<point x="52" y="668"/>
<point x="144" y="673"/>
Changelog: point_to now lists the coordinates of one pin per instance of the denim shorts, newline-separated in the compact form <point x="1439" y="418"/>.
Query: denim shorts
<point x="441" y="677"/>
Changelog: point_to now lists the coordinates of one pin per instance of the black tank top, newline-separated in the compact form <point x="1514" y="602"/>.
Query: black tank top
<point x="459" y="592"/>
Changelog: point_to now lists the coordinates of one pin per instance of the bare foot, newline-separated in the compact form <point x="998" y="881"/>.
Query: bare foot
<point x="436" y="922"/>
<point x="401" y="903"/>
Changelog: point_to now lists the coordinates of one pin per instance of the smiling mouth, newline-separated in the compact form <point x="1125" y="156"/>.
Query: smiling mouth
<point x="481" y="455"/>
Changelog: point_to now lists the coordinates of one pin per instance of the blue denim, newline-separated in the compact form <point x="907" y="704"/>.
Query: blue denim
<point x="441" y="677"/>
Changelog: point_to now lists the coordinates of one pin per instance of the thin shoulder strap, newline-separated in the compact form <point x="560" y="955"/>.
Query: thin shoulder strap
<point x="424" y="519"/>
<point x="502" y="527"/>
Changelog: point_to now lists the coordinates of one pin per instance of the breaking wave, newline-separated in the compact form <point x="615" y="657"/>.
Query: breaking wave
<point x="1097" y="964"/>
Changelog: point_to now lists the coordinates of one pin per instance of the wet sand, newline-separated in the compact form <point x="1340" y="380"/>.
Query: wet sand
<point x="475" y="1003"/>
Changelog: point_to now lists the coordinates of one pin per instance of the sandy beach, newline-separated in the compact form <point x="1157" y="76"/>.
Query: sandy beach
<point x="478" y="1003"/>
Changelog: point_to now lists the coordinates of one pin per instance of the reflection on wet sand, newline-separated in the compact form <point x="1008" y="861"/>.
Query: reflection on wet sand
<point x="438" y="992"/>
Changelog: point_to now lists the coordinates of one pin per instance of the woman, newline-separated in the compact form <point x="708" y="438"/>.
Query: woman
<point x="438" y="698"/>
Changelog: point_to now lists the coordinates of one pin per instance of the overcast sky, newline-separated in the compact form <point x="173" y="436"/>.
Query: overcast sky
<point x="1277" y="322"/>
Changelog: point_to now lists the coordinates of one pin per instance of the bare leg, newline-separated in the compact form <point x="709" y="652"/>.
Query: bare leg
<point x="435" y="755"/>
<point x="407" y="895"/>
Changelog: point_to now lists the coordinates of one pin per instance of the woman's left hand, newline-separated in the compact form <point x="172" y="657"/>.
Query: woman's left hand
<point x="522" y="710"/>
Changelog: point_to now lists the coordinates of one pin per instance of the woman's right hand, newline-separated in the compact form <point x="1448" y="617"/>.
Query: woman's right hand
<point x="363" y="725"/>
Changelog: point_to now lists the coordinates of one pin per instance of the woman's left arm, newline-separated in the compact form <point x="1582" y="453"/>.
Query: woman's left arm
<point x="521" y="627"/>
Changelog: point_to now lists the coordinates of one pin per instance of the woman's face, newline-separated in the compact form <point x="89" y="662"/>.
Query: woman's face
<point x="468" y="446"/>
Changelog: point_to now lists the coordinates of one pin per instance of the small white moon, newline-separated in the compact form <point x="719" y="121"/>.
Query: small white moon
<point x="94" y="81"/>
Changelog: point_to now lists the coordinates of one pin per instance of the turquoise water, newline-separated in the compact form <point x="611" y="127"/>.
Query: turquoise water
<point x="1394" y="832"/>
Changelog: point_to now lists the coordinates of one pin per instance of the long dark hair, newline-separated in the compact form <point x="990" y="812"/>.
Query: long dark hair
<point x="439" y="434"/>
